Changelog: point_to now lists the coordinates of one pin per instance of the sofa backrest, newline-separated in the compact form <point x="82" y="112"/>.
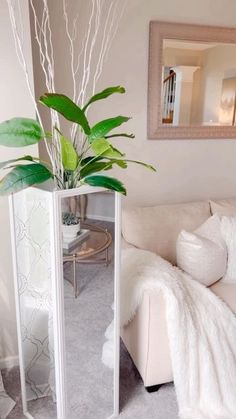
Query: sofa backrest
<point x="224" y="207"/>
<point x="157" y="228"/>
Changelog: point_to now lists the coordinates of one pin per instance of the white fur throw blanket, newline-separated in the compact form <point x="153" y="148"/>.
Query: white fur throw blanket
<point x="201" y="330"/>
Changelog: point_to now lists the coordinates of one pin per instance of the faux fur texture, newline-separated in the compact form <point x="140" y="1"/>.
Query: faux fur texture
<point x="201" y="330"/>
<point x="228" y="230"/>
<point x="108" y="347"/>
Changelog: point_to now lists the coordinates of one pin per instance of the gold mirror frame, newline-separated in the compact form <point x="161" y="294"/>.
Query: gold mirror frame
<point x="187" y="32"/>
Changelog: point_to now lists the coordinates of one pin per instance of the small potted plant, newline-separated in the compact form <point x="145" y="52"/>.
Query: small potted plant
<point x="70" y="226"/>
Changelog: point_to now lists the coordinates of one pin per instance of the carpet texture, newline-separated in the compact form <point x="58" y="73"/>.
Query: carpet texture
<point x="89" y="382"/>
<point x="6" y="402"/>
<point x="135" y="402"/>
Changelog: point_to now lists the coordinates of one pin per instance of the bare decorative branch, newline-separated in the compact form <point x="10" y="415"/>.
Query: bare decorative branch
<point x="14" y="10"/>
<point x="87" y="57"/>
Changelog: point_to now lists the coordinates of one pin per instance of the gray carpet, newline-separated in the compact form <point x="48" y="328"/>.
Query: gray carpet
<point x="136" y="402"/>
<point x="89" y="382"/>
<point x="11" y="381"/>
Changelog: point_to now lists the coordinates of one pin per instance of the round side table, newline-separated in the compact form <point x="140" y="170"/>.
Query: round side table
<point x="93" y="249"/>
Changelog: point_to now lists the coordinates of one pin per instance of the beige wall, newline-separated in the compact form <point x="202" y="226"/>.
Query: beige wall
<point x="14" y="101"/>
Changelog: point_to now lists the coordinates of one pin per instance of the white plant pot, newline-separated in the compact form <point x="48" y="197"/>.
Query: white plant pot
<point x="70" y="232"/>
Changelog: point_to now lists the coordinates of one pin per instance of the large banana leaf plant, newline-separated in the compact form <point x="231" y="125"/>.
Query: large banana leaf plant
<point x="80" y="166"/>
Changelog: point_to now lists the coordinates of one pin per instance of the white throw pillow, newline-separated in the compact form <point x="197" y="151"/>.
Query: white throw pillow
<point x="202" y="254"/>
<point x="228" y="229"/>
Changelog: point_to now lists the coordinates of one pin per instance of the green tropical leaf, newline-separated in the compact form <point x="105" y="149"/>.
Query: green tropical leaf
<point x="87" y="160"/>
<point x="121" y="163"/>
<point x="68" y="154"/>
<point x="95" y="167"/>
<point x="5" y="163"/>
<point x="102" y="128"/>
<point x="20" y="132"/>
<point x="104" y="94"/>
<point x="100" y="146"/>
<point x="105" y="182"/>
<point x="66" y="107"/>
<point x="148" y="166"/>
<point x="113" y="153"/>
<point x="23" y="176"/>
<point x="123" y="134"/>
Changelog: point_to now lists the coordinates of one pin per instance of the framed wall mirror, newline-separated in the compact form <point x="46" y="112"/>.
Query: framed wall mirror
<point x="191" y="81"/>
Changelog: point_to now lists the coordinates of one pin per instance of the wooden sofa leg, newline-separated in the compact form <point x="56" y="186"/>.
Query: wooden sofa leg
<point x="152" y="389"/>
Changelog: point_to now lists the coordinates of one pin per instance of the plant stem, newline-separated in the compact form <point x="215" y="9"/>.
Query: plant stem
<point x="59" y="180"/>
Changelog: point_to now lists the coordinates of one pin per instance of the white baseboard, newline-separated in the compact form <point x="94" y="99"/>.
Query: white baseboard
<point x="100" y="217"/>
<point x="9" y="362"/>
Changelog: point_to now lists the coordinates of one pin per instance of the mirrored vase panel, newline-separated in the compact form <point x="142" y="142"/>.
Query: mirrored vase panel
<point x="31" y="211"/>
<point x="88" y="274"/>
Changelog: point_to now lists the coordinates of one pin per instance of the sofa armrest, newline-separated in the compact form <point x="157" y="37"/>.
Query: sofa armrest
<point x="126" y="245"/>
<point x="146" y="340"/>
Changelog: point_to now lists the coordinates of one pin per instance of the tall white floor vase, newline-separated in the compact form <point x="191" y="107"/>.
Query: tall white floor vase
<point x="36" y="235"/>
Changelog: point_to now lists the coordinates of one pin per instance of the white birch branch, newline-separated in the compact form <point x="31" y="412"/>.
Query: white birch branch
<point x="19" y="42"/>
<point x="86" y="62"/>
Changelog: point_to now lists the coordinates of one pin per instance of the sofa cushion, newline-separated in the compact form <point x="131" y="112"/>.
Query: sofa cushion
<point x="228" y="229"/>
<point x="157" y="228"/>
<point x="203" y="254"/>
<point x="224" y="207"/>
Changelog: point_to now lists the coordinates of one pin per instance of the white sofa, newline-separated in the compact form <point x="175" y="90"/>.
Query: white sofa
<point x="156" y="229"/>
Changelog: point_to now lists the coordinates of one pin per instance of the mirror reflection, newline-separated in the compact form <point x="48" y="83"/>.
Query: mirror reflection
<point x="198" y="83"/>
<point x="88" y="251"/>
